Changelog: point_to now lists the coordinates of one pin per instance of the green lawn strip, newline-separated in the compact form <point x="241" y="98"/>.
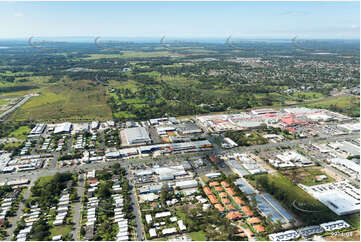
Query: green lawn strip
<point x="60" y="230"/>
<point x="198" y="236"/>
<point x="21" y="132"/>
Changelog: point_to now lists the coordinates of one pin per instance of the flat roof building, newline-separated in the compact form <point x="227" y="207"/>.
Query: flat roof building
<point x="186" y="184"/>
<point x="63" y="128"/>
<point x="284" y="236"/>
<point x="334" y="225"/>
<point x="341" y="197"/>
<point x="137" y="135"/>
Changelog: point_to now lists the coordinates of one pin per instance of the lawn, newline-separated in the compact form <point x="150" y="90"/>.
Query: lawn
<point x="21" y="133"/>
<point x="44" y="179"/>
<point x="198" y="236"/>
<point x="308" y="95"/>
<point x="63" y="230"/>
<point x="124" y="114"/>
<point x="12" y="145"/>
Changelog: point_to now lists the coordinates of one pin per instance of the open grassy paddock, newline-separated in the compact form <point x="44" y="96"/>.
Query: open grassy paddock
<point x="349" y="105"/>
<point x="21" y="133"/>
<point x="306" y="176"/>
<point x="75" y="101"/>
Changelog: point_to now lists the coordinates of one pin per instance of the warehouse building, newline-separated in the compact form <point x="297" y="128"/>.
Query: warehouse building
<point x="37" y="131"/>
<point x="186" y="184"/>
<point x="189" y="129"/>
<point x="351" y="127"/>
<point x="341" y="197"/>
<point x="63" y="128"/>
<point x="137" y="135"/>
<point x="94" y="125"/>
<point x="263" y="111"/>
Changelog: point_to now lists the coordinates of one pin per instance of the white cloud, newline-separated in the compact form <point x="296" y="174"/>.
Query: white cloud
<point x="18" y="15"/>
<point x="355" y="26"/>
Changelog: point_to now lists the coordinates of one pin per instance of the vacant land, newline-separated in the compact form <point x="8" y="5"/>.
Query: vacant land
<point x="75" y="101"/>
<point x="349" y="105"/>
<point x="198" y="236"/>
<point x="21" y="133"/>
<point x="306" y="176"/>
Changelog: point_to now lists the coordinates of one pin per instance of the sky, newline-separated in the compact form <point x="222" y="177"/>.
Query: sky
<point x="338" y="20"/>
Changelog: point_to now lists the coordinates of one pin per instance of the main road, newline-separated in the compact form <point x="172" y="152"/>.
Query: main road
<point x="134" y="161"/>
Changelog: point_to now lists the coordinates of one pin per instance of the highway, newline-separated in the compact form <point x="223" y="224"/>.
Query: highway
<point x="16" y="106"/>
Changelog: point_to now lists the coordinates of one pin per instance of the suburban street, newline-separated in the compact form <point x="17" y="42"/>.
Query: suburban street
<point x="77" y="209"/>
<point x="20" y="212"/>
<point x="137" y="214"/>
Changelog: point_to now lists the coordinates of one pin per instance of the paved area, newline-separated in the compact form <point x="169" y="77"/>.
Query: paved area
<point x="77" y="210"/>
<point x="20" y="212"/>
<point x="137" y="214"/>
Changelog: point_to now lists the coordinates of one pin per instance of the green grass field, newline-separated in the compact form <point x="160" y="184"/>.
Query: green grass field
<point x="198" y="236"/>
<point x="128" y="54"/>
<point x="21" y="133"/>
<point x="12" y="145"/>
<point x="75" y="101"/>
<point x="349" y="105"/>
<point x="60" y="230"/>
<point x="308" y="95"/>
<point x="38" y="79"/>
<point x="3" y="101"/>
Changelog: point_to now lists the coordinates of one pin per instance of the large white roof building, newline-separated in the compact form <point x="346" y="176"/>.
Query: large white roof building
<point x="341" y="197"/>
<point x="137" y="135"/>
<point x="63" y="128"/>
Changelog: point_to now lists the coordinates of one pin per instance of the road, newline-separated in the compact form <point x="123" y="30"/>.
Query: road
<point x="77" y="209"/>
<point x="55" y="159"/>
<point x="70" y="143"/>
<point x="137" y="214"/>
<point x="101" y="140"/>
<point x="166" y="158"/>
<point x="16" y="106"/>
<point x="20" y="212"/>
